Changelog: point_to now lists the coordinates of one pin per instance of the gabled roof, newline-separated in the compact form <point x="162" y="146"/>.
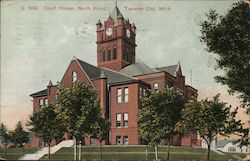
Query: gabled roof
<point x="92" y="71"/>
<point x="40" y="93"/>
<point x="223" y="143"/>
<point x="170" y="69"/>
<point x="137" y="69"/>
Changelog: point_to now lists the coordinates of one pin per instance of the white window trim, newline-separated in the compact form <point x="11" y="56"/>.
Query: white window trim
<point x="119" y="95"/>
<point x="126" y="94"/>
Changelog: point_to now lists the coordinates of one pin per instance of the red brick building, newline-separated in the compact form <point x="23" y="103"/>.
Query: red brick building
<point x="120" y="81"/>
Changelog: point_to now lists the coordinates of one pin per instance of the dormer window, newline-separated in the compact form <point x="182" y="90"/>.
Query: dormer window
<point x="74" y="77"/>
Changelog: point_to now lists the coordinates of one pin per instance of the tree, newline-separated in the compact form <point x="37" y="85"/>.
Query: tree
<point x="101" y="131"/>
<point x="79" y="109"/>
<point x="4" y="136"/>
<point x="46" y="125"/>
<point x="228" y="37"/>
<point x="210" y="118"/>
<point x="158" y="117"/>
<point x="19" y="136"/>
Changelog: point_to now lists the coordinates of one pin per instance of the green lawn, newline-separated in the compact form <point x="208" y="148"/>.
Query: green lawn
<point x="15" y="153"/>
<point x="138" y="153"/>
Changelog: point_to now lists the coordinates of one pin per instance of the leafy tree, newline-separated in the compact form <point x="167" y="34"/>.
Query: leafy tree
<point x="4" y="136"/>
<point x="46" y="125"/>
<point x="228" y="37"/>
<point x="101" y="131"/>
<point x="158" y="116"/>
<point x="79" y="109"/>
<point x="19" y="136"/>
<point x="210" y="118"/>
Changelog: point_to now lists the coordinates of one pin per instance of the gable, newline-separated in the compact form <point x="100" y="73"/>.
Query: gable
<point x="74" y="66"/>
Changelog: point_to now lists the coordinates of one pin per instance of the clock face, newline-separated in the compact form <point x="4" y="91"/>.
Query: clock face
<point x="109" y="31"/>
<point x="128" y="33"/>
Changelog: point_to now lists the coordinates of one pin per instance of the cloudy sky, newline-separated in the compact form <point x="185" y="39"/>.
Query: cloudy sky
<point x="39" y="38"/>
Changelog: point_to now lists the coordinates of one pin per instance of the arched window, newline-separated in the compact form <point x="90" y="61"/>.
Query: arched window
<point x="74" y="77"/>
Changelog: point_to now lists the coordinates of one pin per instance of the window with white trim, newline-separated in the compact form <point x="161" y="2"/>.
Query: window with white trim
<point x="118" y="140"/>
<point x="41" y="102"/>
<point x="140" y="92"/>
<point x="118" y="120"/>
<point x="74" y="77"/>
<point x="46" y="102"/>
<point x="125" y="120"/>
<point x="119" y="95"/>
<point x="144" y="92"/>
<point x="126" y="91"/>
<point x="125" y="140"/>
<point x="156" y="87"/>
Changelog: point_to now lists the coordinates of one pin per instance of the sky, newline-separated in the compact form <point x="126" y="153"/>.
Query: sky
<point x="39" y="39"/>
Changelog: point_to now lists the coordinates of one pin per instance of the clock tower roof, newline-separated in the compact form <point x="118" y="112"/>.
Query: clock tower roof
<point x="115" y="14"/>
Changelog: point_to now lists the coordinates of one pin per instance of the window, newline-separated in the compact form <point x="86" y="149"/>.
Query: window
<point x="155" y="87"/>
<point x="74" y="77"/>
<point x="124" y="54"/>
<point x="144" y="92"/>
<point x="231" y="149"/>
<point x="56" y="97"/>
<point x="118" y="140"/>
<point x="103" y="56"/>
<point x="46" y="102"/>
<point x="114" y="54"/>
<point x="92" y="140"/>
<point x="41" y="103"/>
<point x="125" y="120"/>
<point x="119" y="95"/>
<point x="126" y="95"/>
<point x="140" y="93"/>
<point x="109" y="55"/>
<point x="125" y="140"/>
<point x="118" y="120"/>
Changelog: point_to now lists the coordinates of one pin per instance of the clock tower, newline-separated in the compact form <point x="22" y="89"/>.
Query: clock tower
<point x="115" y="41"/>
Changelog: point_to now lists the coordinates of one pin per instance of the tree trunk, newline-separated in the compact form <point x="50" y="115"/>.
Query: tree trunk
<point x="101" y="150"/>
<point x="74" y="147"/>
<point x="147" y="152"/>
<point x="6" y="144"/>
<point x="79" y="157"/>
<point x="168" y="151"/>
<point x="156" y="152"/>
<point x="49" y="150"/>
<point x="208" y="150"/>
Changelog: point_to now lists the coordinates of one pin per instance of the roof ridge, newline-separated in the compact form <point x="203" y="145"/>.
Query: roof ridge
<point x="120" y="73"/>
<point x="167" y="66"/>
<point x="86" y="63"/>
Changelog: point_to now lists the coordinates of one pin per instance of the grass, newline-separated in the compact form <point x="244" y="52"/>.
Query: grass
<point x="15" y="153"/>
<point x="138" y="153"/>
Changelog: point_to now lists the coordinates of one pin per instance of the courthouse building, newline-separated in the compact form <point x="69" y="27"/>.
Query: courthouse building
<point x="120" y="82"/>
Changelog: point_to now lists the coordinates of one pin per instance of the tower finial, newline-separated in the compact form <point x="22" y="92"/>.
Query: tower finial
<point x="115" y="3"/>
